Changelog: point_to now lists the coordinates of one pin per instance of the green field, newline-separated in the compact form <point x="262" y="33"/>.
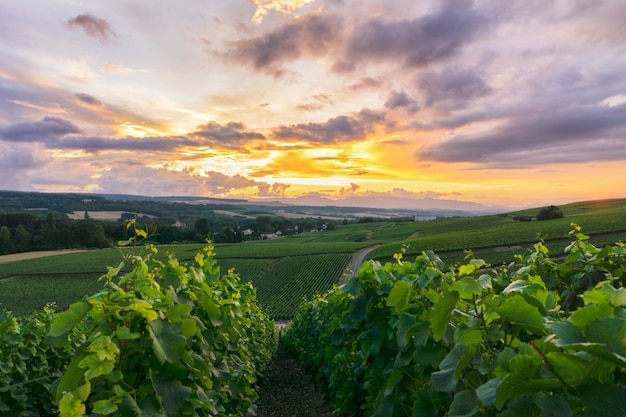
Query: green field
<point x="289" y="269"/>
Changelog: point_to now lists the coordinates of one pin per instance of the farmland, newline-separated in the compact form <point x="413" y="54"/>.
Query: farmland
<point x="288" y="269"/>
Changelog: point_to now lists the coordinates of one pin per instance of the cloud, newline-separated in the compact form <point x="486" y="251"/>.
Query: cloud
<point x="282" y="6"/>
<point x="17" y="161"/>
<point x="569" y="134"/>
<point x="453" y="87"/>
<point x="230" y="135"/>
<point x="335" y="130"/>
<point x="366" y="83"/>
<point x="311" y="34"/>
<point x="317" y="102"/>
<point x="47" y="129"/>
<point x="96" y="143"/>
<point x="401" y="100"/>
<point x="415" y="43"/>
<point x="91" y="100"/>
<point x="93" y="26"/>
<point x="349" y="191"/>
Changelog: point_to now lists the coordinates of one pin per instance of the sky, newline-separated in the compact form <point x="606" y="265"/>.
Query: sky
<point x="516" y="103"/>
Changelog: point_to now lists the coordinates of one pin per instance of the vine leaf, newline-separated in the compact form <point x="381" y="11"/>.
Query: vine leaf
<point x="65" y="321"/>
<point x="465" y="404"/>
<point x="516" y="310"/>
<point x="399" y="296"/>
<point x="440" y="314"/>
<point x="167" y="341"/>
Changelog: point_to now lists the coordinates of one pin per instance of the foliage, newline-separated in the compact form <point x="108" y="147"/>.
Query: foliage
<point x="549" y="213"/>
<point x="28" y="365"/>
<point x="541" y="338"/>
<point x="163" y="338"/>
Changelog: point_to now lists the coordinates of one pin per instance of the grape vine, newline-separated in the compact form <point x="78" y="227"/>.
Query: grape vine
<point x="161" y="339"/>
<point x="413" y="338"/>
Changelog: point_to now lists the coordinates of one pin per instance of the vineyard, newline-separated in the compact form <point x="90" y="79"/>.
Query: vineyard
<point x="542" y="332"/>
<point x="417" y="338"/>
<point x="28" y="285"/>
<point x="159" y="338"/>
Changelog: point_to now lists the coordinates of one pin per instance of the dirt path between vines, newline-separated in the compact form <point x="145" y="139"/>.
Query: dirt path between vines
<point x="289" y="392"/>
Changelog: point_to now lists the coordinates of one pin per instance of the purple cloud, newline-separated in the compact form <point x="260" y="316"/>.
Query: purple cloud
<point x="415" y="43"/>
<point x="47" y="129"/>
<point x="334" y="130"/>
<point x="401" y="100"/>
<point x="93" y="26"/>
<point x="569" y="134"/>
<point x="311" y="34"/>
<point x="231" y="135"/>
<point x="91" y="100"/>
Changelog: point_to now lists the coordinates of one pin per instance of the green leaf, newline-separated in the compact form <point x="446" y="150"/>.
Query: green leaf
<point x="214" y="312"/>
<point x="104" y="407"/>
<point x="176" y="311"/>
<point x="573" y="369"/>
<point x="467" y="287"/>
<point x="65" y="321"/>
<point x="446" y="378"/>
<point x="399" y="296"/>
<point x="487" y="392"/>
<point x="465" y="404"/>
<point x="171" y="393"/>
<point x="358" y="307"/>
<point x="606" y="400"/>
<point x="144" y="309"/>
<point x="599" y="350"/>
<point x="70" y="406"/>
<point x="124" y="333"/>
<point x="610" y="331"/>
<point x="393" y="381"/>
<point x="405" y="326"/>
<point x="167" y="342"/>
<point x="95" y="366"/>
<point x="439" y="316"/>
<point x="606" y="293"/>
<point x="71" y="379"/>
<point x="566" y="333"/>
<point x="517" y="311"/>
<point x="525" y="379"/>
<point x="584" y="316"/>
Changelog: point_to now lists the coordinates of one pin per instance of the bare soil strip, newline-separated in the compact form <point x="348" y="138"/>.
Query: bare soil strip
<point x="34" y="255"/>
<point x="289" y="392"/>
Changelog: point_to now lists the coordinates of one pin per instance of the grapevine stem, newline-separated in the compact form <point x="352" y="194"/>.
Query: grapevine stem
<point x="549" y="367"/>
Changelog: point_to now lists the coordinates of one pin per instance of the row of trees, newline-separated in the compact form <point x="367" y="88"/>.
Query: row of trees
<point x="25" y="231"/>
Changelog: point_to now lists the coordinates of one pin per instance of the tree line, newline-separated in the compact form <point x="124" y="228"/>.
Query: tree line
<point x="35" y="231"/>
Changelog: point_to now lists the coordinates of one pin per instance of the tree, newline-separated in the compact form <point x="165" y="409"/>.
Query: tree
<point x="549" y="213"/>
<point x="202" y="227"/>
<point x="5" y="240"/>
<point x="22" y="237"/>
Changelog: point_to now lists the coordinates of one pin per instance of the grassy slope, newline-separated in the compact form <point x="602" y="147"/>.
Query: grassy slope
<point x="25" y="285"/>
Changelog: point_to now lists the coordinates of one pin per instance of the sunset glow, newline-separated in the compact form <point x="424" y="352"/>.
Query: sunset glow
<point x="499" y="103"/>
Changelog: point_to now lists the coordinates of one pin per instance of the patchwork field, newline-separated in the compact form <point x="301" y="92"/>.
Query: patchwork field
<point x="285" y="271"/>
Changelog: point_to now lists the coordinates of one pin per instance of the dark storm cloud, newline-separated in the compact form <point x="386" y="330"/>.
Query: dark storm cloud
<point x="309" y="34"/>
<point x="415" y="43"/>
<point x="335" y="130"/>
<point x="91" y="100"/>
<point x="568" y="134"/>
<point x="93" y="26"/>
<point x="400" y="99"/>
<point x="453" y="87"/>
<point x="47" y="129"/>
<point x="232" y="134"/>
